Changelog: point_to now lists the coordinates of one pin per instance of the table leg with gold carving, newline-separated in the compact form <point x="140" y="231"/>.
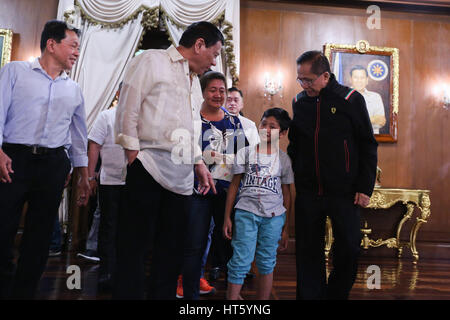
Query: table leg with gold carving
<point x="407" y="216"/>
<point x="328" y="237"/>
<point x="425" y="213"/>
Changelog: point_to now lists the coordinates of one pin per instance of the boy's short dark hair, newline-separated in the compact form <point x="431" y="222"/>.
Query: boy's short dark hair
<point x="203" y="29"/>
<point x="209" y="76"/>
<point x="55" y="29"/>
<point x="319" y="63"/>
<point x="282" y="116"/>
<point x="234" y="89"/>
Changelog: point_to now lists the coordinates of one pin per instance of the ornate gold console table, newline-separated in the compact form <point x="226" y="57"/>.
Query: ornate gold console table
<point x="384" y="198"/>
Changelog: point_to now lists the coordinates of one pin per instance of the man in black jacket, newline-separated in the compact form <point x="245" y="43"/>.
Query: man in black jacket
<point x="334" y="158"/>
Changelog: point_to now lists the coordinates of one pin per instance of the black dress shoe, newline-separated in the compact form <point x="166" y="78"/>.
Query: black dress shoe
<point x="105" y="282"/>
<point x="214" y="274"/>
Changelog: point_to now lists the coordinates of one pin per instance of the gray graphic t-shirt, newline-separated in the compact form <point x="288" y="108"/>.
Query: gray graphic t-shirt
<point x="264" y="174"/>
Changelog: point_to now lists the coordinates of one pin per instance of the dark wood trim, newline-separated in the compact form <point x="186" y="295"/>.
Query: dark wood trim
<point x="424" y="6"/>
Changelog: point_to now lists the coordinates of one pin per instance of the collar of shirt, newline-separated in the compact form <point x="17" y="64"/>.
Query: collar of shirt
<point x="35" y="64"/>
<point x="175" y="56"/>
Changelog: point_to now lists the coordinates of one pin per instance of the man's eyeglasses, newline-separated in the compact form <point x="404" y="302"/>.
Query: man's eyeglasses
<point x="308" y="82"/>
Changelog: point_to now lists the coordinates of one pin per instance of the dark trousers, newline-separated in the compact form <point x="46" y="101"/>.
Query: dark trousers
<point x="221" y="250"/>
<point x="150" y="217"/>
<point x="38" y="179"/>
<point x="55" y="242"/>
<point x="198" y="222"/>
<point x="109" y="200"/>
<point x="310" y="217"/>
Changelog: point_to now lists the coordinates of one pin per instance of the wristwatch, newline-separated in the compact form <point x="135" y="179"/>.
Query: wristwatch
<point x="91" y="178"/>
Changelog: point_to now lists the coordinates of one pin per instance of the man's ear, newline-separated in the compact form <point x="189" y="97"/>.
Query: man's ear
<point x="198" y="44"/>
<point x="50" y="45"/>
<point x="326" y="76"/>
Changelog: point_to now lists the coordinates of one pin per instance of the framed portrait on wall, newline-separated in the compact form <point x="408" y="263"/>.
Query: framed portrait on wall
<point x="373" y="72"/>
<point x="5" y="46"/>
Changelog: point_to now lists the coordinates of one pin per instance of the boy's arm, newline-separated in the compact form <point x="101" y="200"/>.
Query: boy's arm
<point x="231" y="197"/>
<point x="286" y="190"/>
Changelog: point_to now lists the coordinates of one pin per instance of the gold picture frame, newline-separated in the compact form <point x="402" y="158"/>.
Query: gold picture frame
<point x="5" y="46"/>
<point x="381" y="68"/>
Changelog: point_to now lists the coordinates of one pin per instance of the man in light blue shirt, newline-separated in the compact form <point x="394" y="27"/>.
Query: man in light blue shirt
<point x="42" y="125"/>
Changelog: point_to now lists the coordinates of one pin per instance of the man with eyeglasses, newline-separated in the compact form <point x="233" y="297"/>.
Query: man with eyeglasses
<point x="334" y="158"/>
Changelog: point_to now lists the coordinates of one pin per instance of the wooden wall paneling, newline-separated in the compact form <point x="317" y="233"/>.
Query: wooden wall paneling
<point x="432" y="130"/>
<point x="26" y="18"/>
<point x="396" y="160"/>
<point x="444" y="173"/>
<point x="259" y="51"/>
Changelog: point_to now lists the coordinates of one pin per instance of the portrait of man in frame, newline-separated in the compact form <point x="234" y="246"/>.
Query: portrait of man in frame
<point x="372" y="71"/>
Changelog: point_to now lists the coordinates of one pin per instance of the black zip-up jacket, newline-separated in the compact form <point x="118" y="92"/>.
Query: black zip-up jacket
<point x="331" y="142"/>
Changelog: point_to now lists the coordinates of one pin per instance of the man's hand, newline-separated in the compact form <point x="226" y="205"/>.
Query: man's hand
<point x="5" y="167"/>
<point x="131" y="155"/>
<point x="361" y="199"/>
<point x="93" y="187"/>
<point x="66" y="183"/>
<point x="84" y="190"/>
<point x="205" y="180"/>
<point x="379" y="120"/>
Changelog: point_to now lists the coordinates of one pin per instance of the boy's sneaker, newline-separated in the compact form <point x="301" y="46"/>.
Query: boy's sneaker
<point x="205" y="288"/>
<point x="180" y="288"/>
<point x="90" y="255"/>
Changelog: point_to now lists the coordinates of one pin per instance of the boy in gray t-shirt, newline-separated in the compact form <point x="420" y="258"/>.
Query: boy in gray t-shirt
<point x="264" y="173"/>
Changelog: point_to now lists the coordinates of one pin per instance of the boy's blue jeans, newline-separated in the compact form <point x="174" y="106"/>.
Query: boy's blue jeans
<point x="254" y="237"/>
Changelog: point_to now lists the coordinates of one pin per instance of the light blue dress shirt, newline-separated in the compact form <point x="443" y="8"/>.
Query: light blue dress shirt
<point x="37" y="110"/>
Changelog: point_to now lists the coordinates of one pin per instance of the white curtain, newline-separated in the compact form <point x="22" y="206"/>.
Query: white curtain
<point x="110" y="11"/>
<point x="178" y="14"/>
<point x="104" y="54"/>
<point x="111" y="30"/>
<point x="104" y="51"/>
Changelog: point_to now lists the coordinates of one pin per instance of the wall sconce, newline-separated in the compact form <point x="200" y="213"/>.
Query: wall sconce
<point x="442" y="93"/>
<point x="446" y="99"/>
<point x="272" y="86"/>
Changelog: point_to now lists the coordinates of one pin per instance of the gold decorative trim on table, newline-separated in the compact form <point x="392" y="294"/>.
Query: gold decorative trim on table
<point x="385" y="198"/>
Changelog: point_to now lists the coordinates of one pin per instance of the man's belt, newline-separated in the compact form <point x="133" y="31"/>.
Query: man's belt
<point x="34" y="149"/>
